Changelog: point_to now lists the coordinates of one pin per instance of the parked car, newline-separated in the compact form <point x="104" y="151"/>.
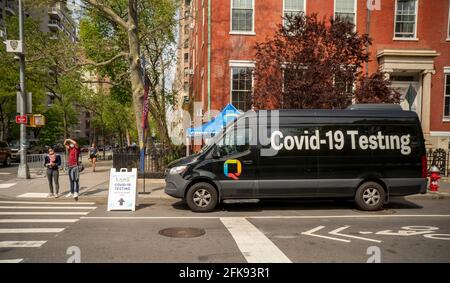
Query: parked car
<point x="15" y="147"/>
<point x="368" y="153"/>
<point x="5" y="153"/>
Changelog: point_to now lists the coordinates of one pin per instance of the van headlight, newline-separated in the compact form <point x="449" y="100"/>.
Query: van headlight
<point x="177" y="170"/>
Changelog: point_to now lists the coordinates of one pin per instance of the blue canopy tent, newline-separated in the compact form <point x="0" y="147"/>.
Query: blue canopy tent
<point x="211" y="128"/>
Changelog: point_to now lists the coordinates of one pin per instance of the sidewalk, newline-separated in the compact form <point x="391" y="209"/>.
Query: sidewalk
<point x="93" y="186"/>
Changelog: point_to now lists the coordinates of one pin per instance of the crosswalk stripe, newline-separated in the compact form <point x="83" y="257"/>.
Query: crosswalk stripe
<point x="30" y="230"/>
<point x="11" y="260"/>
<point x="48" y="207"/>
<point x="6" y="186"/>
<point x="47" y="202"/>
<point x="38" y="220"/>
<point x="21" y="244"/>
<point x="253" y="244"/>
<point x="43" y="213"/>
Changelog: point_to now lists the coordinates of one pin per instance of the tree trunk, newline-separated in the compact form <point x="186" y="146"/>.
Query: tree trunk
<point x="137" y="84"/>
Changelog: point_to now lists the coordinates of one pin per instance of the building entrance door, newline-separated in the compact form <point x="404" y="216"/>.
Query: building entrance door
<point x="410" y="88"/>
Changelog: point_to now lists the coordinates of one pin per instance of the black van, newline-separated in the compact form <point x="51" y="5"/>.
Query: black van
<point x="367" y="153"/>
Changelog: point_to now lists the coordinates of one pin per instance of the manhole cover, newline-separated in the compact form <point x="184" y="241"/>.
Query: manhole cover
<point x="182" y="232"/>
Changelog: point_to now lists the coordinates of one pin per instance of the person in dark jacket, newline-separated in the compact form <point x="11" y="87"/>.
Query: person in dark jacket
<point x="53" y="162"/>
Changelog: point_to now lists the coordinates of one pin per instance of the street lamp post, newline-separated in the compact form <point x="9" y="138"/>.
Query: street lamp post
<point x="23" y="172"/>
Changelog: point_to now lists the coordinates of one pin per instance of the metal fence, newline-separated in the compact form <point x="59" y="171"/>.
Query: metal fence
<point x="155" y="161"/>
<point x="439" y="158"/>
<point x="36" y="161"/>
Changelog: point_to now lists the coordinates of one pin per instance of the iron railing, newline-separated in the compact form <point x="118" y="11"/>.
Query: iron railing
<point x="156" y="161"/>
<point x="439" y="158"/>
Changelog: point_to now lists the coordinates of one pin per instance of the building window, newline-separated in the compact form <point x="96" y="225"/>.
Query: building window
<point x="241" y="87"/>
<point x="345" y="10"/>
<point x="186" y="43"/>
<point x="405" y="19"/>
<point x="292" y="8"/>
<point x="186" y="58"/>
<point x="242" y="15"/>
<point x="447" y="96"/>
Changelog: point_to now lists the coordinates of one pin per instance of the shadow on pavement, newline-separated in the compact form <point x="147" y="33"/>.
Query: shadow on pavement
<point x="302" y="204"/>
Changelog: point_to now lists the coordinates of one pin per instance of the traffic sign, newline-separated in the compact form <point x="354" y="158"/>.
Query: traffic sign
<point x="21" y="119"/>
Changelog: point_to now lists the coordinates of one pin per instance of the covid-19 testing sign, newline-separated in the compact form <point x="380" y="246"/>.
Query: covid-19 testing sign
<point x="122" y="193"/>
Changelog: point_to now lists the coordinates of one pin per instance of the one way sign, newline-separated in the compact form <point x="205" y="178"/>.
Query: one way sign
<point x="122" y="193"/>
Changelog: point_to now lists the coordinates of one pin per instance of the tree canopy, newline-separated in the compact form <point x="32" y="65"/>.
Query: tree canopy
<point x="316" y="63"/>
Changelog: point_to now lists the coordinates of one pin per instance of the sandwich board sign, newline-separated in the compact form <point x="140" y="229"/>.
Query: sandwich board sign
<point x="122" y="194"/>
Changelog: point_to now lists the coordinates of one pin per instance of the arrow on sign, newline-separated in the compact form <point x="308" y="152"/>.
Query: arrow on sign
<point x="121" y="201"/>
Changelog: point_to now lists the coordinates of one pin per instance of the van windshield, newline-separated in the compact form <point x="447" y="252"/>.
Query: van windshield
<point x="213" y="140"/>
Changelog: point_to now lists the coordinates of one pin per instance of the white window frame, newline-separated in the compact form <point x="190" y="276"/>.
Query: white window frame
<point x="284" y="10"/>
<point x="240" y="64"/>
<point x="448" y="24"/>
<point x="415" y="38"/>
<point x="356" y="12"/>
<point x="237" y="32"/>
<point x="446" y="73"/>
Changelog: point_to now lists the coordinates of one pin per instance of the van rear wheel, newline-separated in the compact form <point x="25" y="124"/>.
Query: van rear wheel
<point x="370" y="196"/>
<point x="202" y="197"/>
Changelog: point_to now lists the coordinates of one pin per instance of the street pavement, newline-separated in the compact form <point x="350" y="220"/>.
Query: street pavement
<point x="34" y="228"/>
<point x="270" y="231"/>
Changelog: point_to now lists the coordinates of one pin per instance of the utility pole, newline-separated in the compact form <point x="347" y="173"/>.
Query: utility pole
<point x="23" y="172"/>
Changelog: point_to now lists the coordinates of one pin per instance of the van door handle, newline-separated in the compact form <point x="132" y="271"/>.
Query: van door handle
<point x="248" y="162"/>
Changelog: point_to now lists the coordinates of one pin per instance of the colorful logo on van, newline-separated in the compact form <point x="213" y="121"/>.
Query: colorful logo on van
<point x="227" y="172"/>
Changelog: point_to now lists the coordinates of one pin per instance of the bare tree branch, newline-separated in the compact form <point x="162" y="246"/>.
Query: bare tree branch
<point x="108" y="13"/>
<point x="95" y="64"/>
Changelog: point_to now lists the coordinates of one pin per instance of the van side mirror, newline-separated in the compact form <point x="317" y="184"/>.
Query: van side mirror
<point x="216" y="154"/>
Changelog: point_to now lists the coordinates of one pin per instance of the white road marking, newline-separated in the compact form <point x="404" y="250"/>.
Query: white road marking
<point x="265" y="217"/>
<point x="47" y="202"/>
<point x="48" y="207"/>
<point x="7" y="185"/>
<point x="311" y="233"/>
<point x="21" y="244"/>
<point x="337" y="231"/>
<point x="33" y="195"/>
<point x="30" y="230"/>
<point x="11" y="260"/>
<point x="365" y="232"/>
<point x="15" y="220"/>
<point x="43" y="213"/>
<point x="4" y="173"/>
<point x="254" y="245"/>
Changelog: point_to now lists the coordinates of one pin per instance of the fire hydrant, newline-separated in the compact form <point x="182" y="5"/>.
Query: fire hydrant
<point x="435" y="175"/>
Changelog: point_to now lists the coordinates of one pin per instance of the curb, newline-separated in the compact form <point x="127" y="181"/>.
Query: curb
<point x="430" y="195"/>
<point x="97" y="200"/>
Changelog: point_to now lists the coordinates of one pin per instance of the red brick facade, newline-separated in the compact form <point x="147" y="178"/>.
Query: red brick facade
<point x="431" y="46"/>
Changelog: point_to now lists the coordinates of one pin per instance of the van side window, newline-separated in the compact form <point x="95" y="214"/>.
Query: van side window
<point x="236" y="140"/>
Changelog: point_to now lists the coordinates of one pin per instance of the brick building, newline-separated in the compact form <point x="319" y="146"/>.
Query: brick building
<point x="411" y="43"/>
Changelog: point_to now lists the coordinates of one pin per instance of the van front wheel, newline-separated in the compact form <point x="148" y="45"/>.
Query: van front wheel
<point x="201" y="197"/>
<point x="370" y="196"/>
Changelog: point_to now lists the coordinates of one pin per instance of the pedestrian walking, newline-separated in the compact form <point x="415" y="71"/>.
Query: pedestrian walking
<point x="74" y="175"/>
<point x="52" y="163"/>
<point x="93" y="151"/>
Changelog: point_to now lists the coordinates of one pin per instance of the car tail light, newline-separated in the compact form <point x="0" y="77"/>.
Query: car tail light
<point x="424" y="166"/>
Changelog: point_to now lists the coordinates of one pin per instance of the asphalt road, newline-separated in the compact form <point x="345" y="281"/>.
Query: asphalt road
<point x="8" y="172"/>
<point x="270" y="231"/>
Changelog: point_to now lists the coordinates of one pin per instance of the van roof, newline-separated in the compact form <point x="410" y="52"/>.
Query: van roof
<point x="381" y="113"/>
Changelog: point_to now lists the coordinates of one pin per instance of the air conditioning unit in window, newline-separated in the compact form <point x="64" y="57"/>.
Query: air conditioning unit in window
<point x="189" y="71"/>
